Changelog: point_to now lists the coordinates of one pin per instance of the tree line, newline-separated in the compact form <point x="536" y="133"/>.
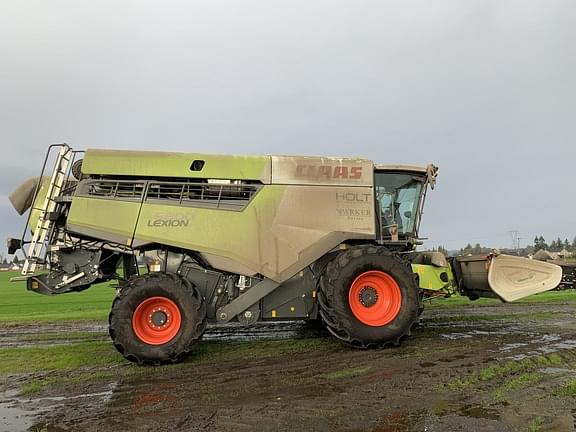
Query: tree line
<point x="555" y="246"/>
<point x="539" y="243"/>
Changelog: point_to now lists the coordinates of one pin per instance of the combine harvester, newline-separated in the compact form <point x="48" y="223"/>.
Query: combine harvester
<point x="246" y="239"/>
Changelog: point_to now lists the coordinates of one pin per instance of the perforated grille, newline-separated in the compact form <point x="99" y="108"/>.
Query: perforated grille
<point x="227" y="196"/>
<point x="112" y="189"/>
<point x="210" y="195"/>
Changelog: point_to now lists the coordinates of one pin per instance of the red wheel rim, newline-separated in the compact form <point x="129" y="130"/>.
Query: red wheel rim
<point x="156" y="320"/>
<point x="375" y="298"/>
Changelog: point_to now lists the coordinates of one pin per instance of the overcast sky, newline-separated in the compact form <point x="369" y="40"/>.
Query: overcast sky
<point x="484" y="89"/>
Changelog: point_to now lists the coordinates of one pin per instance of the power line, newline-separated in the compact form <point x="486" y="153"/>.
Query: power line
<point x="515" y="235"/>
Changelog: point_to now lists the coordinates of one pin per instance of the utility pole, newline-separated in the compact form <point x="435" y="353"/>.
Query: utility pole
<point x="515" y="235"/>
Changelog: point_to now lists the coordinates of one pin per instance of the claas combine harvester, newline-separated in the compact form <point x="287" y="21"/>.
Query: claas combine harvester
<point x="246" y="239"/>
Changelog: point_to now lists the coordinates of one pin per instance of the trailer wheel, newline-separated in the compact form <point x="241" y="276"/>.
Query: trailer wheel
<point x="369" y="297"/>
<point x="157" y="318"/>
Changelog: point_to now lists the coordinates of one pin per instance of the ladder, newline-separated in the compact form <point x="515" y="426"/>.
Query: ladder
<point x="44" y="223"/>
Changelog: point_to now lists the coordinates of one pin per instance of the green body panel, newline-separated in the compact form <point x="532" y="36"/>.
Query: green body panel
<point x="231" y="234"/>
<point x="105" y="219"/>
<point x="429" y="277"/>
<point x="281" y="230"/>
<point x="176" y="165"/>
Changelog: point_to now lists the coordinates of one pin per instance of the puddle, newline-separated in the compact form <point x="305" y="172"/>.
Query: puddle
<point x="512" y="346"/>
<point x="560" y="346"/>
<point x="543" y="345"/>
<point x="453" y="358"/>
<point x="105" y="396"/>
<point x="16" y="343"/>
<point x="446" y="407"/>
<point x="547" y="338"/>
<point x="399" y="421"/>
<point x="24" y="336"/>
<point x="557" y="370"/>
<point x="13" y="418"/>
<point x="52" y="334"/>
<point x="475" y="333"/>
<point x="20" y="414"/>
<point x="479" y="412"/>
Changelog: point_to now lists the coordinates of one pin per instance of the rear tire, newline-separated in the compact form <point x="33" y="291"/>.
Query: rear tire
<point x="157" y="318"/>
<point x="369" y="297"/>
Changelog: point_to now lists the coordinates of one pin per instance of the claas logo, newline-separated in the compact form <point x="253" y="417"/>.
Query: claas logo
<point x="329" y="172"/>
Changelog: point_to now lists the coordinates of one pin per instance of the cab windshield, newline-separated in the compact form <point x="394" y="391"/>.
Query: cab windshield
<point x="398" y="197"/>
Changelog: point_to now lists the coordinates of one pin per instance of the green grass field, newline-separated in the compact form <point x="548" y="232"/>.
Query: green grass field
<point x="17" y="305"/>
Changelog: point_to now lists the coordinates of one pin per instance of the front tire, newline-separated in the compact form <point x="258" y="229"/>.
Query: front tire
<point x="157" y="318"/>
<point x="369" y="297"/>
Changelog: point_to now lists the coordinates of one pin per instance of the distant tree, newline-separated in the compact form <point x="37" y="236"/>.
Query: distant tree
<point x="477" y="249"/>
<point x="556" y="245"/>
<point x="566" y="245"/>
<point x="466" y="250"/>
<point x="553" y="246"/>
<point x="539" y="243"/>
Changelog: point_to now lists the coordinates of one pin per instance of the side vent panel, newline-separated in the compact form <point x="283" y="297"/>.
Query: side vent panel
<point x="225" y="195"/>
<point x="112" y="189"/>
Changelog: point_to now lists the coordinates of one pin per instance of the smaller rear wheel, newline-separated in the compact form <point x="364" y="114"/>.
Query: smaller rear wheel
<point x="157" y="318"/>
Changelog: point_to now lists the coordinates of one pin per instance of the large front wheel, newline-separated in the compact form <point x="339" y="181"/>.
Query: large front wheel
<point x="157" y="318"/>
<point x="369" y="297"/>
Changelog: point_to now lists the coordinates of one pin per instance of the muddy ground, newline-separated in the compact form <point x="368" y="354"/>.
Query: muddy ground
<point x="486" y="368"/>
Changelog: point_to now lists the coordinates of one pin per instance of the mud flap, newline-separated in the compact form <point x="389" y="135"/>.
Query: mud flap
<point x="507" y="277"/>
<point x="513" y="278"/>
